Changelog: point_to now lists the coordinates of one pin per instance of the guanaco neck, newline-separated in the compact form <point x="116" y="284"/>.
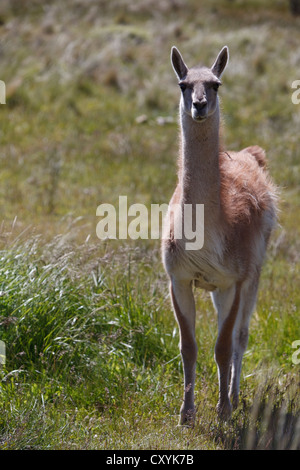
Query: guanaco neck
<point x="199" y="166"/>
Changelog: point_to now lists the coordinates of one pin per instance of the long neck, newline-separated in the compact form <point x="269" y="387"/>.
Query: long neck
<point x="199" y="167"/>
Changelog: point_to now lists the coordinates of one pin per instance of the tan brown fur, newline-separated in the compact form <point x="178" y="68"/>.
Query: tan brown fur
<point x="246" y="189"/>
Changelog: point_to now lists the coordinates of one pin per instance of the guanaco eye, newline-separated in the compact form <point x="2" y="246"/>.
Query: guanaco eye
<point x="216" y="86"/>
<point x="182" y="86"/>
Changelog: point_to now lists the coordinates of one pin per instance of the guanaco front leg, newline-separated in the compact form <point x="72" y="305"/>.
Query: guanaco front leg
<point x="184" y="308"/>
<point x="227" y="304"/>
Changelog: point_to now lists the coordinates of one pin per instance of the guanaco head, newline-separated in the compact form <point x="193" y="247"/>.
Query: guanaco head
<point x="199" y="85"/>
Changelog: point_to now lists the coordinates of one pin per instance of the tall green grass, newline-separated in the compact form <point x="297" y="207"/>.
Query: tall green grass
<point x="92" y="355"/>
<point x="75" y="339"/>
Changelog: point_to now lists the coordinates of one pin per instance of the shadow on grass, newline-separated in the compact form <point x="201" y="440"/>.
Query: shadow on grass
<point x="271" y="423"/>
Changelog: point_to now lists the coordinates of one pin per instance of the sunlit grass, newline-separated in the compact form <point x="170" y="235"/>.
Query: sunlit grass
<point x="92" y="345"/>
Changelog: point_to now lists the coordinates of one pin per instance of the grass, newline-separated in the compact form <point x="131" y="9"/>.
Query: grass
<point x="92" y="359"/>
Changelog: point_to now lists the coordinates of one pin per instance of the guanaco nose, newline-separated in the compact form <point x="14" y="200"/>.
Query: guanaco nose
<point x="200" y="104"/>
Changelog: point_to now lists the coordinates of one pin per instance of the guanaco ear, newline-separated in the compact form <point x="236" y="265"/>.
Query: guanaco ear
<point x="178" y="64"/>
<point x="221" y="62"/>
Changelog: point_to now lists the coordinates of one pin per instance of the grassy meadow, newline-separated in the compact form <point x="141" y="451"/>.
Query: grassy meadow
<point x="92" y="358"/>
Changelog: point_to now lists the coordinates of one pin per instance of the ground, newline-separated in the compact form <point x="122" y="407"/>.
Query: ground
<point x="92" y="359"/>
